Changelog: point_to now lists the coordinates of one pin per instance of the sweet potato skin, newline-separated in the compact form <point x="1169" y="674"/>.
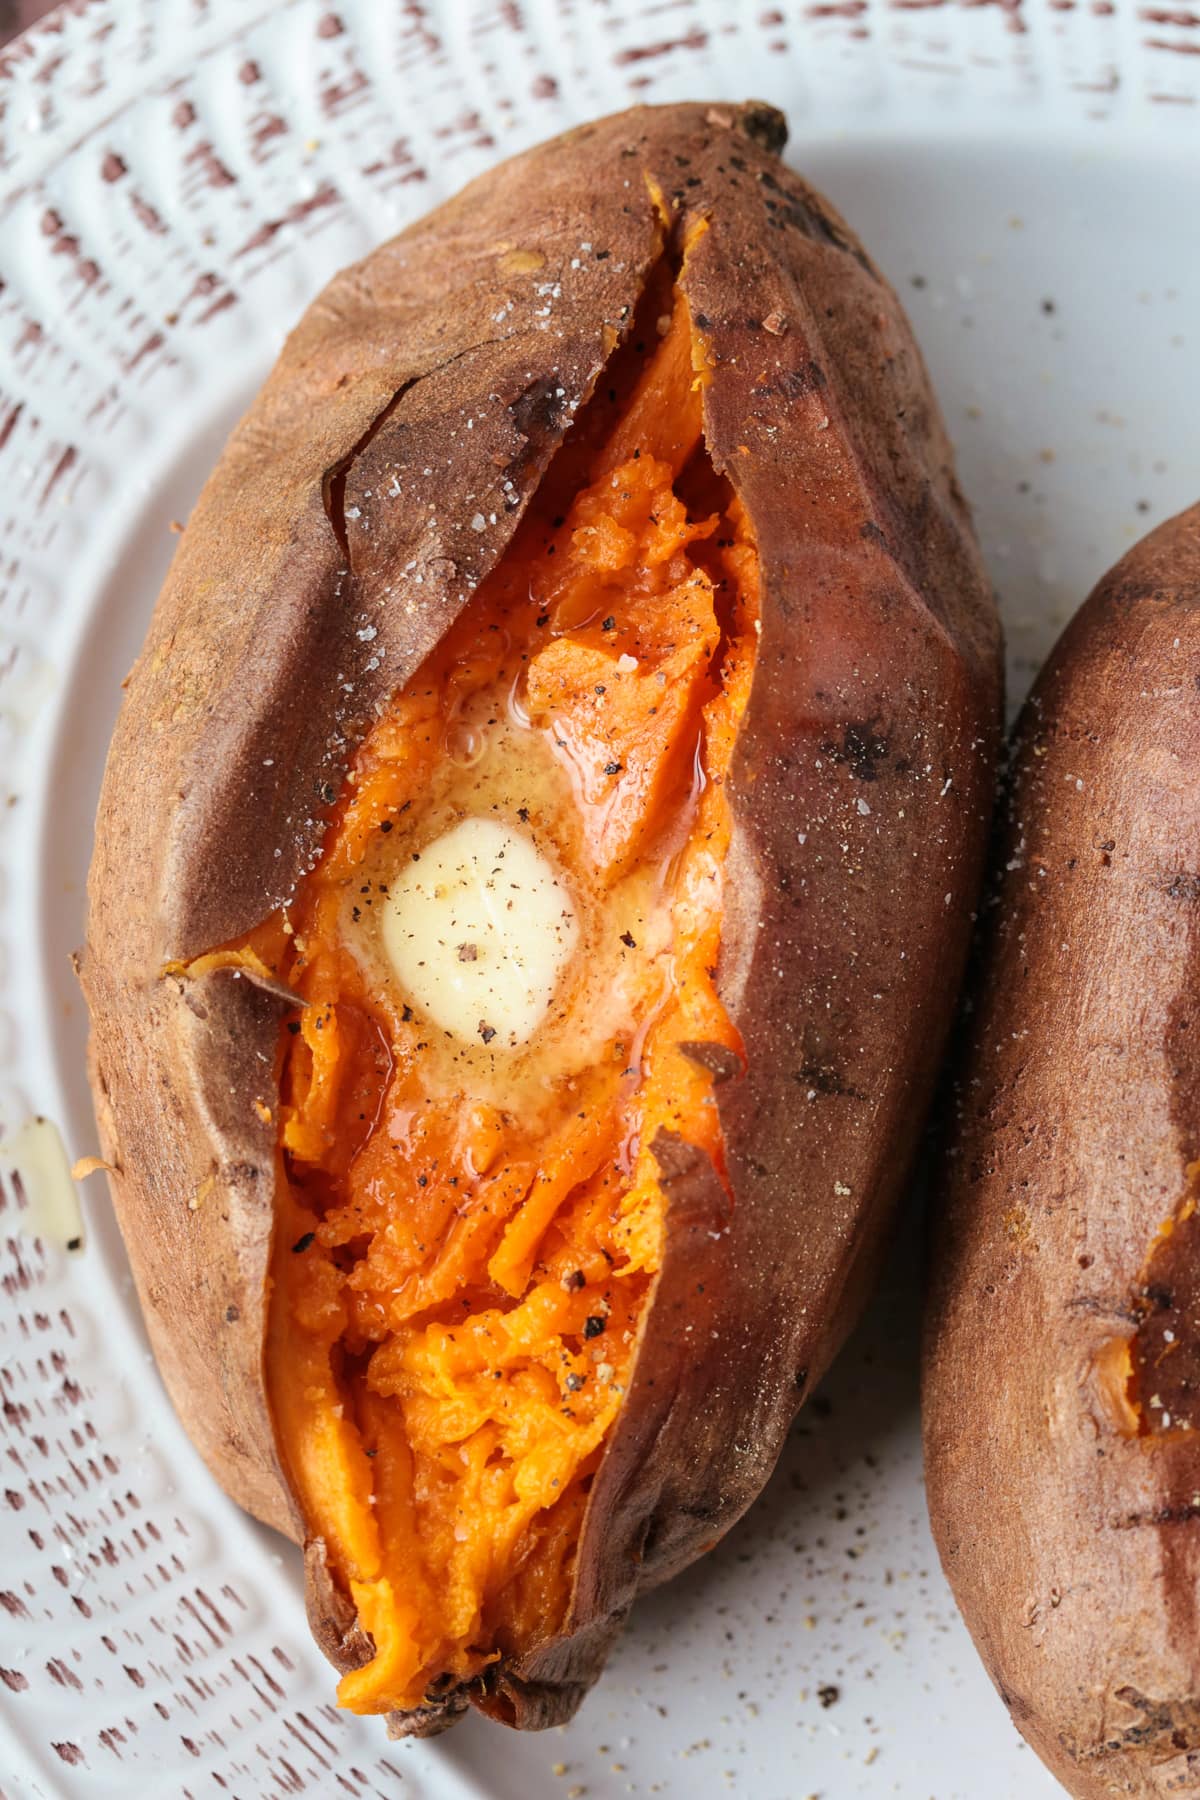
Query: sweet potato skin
<point x="1071" y="1544"/>
<point x="861" y="791"/>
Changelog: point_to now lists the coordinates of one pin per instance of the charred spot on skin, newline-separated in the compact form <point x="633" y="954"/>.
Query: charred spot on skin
<point x="863" y="748"/>
<point x="793" y="384"/>
<point x="825" y="1078"/>
<point x="763" y="124"/>
<point x="1017" y="1705"/>
<point x="805" y="214"/>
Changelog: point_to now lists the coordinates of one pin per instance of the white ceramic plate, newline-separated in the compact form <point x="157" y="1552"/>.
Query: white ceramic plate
<point x="176" y="179"/>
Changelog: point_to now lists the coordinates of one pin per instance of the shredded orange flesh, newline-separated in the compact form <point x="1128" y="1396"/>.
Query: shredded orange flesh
<point x="460" y="1268"/>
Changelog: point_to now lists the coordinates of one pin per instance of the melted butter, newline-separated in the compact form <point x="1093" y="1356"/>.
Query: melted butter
<point x="479" y="931"/>
<point x="560" y="980"/>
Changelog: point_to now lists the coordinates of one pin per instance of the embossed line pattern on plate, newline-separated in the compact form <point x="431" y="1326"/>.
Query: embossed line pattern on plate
<point x="175" y="180"/>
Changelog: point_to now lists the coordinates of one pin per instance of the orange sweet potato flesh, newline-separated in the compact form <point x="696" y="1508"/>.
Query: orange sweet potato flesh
<point x="458" y="1287"/>
<point x="633" y="413"/>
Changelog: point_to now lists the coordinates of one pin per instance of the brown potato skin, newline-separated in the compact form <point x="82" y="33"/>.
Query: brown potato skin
<point x="861" y="792"/>
<point x="1074" y="1548"/>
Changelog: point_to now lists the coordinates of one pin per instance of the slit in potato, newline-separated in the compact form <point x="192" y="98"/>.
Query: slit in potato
<point x="1159" y="1365"/>
<point x="470" y="1221"/>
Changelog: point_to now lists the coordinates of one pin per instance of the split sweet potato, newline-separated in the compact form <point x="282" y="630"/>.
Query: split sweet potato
<point x="585" y="601"/>
<point x="1062" y="1384"/>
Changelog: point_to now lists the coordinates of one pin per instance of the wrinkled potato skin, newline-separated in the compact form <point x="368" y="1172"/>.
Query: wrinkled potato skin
<point x="861" y="792"/>
<point x="1073" y="1548"/>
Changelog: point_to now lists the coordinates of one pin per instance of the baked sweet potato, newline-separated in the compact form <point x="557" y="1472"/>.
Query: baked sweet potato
<point x="1062" y="1383"/>
<point x="531" y="880"/>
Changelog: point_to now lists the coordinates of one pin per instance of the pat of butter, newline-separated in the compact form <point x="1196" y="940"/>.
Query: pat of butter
<point x="479" y="931"/>
<point x="48" y="1204"/>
